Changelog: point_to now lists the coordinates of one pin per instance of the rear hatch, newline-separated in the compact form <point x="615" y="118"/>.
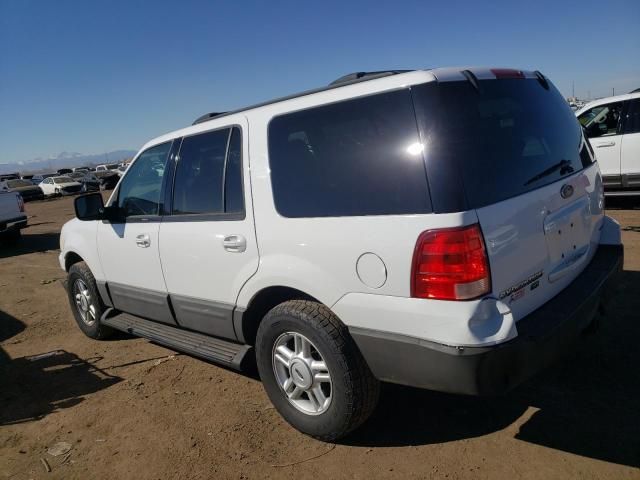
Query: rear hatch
<point x="506" y="144"/>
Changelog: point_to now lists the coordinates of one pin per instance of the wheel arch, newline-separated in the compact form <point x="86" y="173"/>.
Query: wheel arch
<point x="246" y="321"/>
<point x="70" y="259"/>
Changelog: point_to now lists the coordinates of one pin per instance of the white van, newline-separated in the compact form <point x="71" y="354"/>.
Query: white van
<point x="439" y="228"/>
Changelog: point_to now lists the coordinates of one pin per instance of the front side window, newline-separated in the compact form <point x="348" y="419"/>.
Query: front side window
<point x="139" y="191"/>
<point x="18" y="183"/>
<point x="351" y="158"/>
<point x="602" y="120"/>
<point x="208" y="176"/>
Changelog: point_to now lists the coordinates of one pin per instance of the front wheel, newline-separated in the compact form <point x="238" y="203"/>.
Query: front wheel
<point x="85" y="302"/>
<point x="312" y="370"/>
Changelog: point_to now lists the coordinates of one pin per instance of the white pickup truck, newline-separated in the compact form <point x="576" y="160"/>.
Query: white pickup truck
<point x="12" y="216"/>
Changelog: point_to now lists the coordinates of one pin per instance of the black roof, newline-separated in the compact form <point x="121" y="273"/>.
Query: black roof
<point x="348" y="79"/>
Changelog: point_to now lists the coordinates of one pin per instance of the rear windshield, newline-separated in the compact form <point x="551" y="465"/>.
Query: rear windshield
<point x="506" y="138"/>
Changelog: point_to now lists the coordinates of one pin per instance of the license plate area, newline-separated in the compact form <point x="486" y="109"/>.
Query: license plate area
<point x="567" y="236"/>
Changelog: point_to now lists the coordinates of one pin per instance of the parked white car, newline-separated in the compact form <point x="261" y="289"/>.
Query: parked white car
<point x="613" y="127"/>
<point x="440" y="228"/>
<point x="12" y="216"/>
<point x="111" y="167"/>
<point x="61" y="185"/>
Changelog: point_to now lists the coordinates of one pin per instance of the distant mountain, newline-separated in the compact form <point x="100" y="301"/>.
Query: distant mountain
<point x="65" y="160"/>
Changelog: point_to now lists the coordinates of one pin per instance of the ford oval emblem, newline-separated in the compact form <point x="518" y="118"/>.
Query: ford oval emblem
<point x="566" y="191"/>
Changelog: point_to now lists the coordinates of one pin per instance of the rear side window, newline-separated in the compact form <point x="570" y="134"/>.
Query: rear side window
<point x="208" y="176"/>
<point x="234" y="198"/>
<point x="351" y="158"/>
<point x="632" y="121"/>
<point x="506" y="138"/>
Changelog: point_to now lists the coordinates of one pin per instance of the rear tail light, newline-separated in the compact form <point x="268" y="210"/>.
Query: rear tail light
<point x="450" y="264"/>
<point x="20" y="203"/>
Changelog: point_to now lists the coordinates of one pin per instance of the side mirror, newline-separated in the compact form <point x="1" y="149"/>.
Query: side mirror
<point x="89" y="207"/>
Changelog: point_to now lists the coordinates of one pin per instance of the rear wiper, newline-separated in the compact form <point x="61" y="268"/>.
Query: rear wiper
<point x="563" y="165"/>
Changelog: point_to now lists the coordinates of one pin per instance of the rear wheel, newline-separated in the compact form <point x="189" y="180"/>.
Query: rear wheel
<point x="85" y="302"/>
<point x="312" y="370"/>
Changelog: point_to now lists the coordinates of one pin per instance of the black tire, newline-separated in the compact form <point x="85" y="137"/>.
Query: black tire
<point x="95" y="330"/>
<point x="354" y="389"/>
<point x="12" y="237"/>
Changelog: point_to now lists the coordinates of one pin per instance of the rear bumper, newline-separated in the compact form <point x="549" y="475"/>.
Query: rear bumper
<point x="543" y="336"/>
<point x="27" y="197"/>
<point x="13" y="224"/>
<point x="67" y="192"/>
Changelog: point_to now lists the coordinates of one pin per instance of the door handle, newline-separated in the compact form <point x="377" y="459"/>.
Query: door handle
<point x="605" y="144"/>
<point x="143" y="241"/>
<point x="234" y="243"/>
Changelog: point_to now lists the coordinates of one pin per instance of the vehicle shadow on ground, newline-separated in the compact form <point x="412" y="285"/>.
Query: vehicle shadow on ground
<point x="9" y="327"/>
<point x="622" y="203"/>
<point x="35" y="386"/>
<point x="31" y="243"/>
<point x="587" y="404"/>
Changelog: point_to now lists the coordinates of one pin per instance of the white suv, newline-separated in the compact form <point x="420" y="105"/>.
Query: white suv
<point x="440" y="228"/>
<point x="613" y="127"/>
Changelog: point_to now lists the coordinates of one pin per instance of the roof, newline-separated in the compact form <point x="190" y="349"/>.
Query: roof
<point x="386" y="78"/>
<point x="600" y="101"/>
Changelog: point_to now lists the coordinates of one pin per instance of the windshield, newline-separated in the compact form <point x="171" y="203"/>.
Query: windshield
<point x="59" y="180"/>
<point x="506" y="138"/>
<point x="18" y="183"/>
<point x="113" y="166"/>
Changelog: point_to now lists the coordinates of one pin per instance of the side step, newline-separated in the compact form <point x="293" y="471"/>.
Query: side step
<point x="209" y="348"/>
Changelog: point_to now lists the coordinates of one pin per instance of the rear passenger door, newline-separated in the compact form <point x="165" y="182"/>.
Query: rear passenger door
<point x="208" y="244"/>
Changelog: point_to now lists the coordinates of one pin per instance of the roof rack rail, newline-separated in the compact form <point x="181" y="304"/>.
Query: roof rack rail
<point x="340" y="82"/>
<point x="207" y="116"/>
<point x="362" y="76"/>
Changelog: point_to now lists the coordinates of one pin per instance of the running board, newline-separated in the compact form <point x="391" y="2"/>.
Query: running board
<point x="622" y="193"/>
<point x="216" y="350"/>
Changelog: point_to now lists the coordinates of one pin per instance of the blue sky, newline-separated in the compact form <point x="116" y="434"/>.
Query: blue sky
<point x="94" y="76"/>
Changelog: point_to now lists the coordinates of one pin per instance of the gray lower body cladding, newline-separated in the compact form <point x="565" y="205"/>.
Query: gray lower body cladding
<point x="543" y="336"/>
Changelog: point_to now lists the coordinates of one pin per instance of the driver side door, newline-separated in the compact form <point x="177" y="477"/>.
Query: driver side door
<point x="128" y="247"/>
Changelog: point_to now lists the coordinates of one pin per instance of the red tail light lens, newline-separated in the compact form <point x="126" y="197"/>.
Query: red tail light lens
<point x="450" y="264"/>
<point x="20" y="203"/>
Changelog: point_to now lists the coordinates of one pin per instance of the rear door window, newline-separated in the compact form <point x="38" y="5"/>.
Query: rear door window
<point x="506" y="138"/>
<point x="199" y="173"/>
<point x="208" y="176"/>
<point x="350" y="158"/>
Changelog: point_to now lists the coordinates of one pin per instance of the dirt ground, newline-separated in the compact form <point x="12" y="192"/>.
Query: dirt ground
<point x="132" y="409"/>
